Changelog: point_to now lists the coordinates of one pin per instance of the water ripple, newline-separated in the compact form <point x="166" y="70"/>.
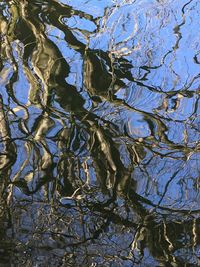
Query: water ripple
<point x="99" y="133"/>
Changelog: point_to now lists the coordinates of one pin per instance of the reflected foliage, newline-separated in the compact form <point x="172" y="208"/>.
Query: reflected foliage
<point x="99" y="133"/>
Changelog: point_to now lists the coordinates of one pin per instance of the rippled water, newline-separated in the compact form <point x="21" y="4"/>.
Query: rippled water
<point x="99" y="133"/>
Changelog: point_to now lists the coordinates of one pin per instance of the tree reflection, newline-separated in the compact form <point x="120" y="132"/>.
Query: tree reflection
<point x="77" y="187"/>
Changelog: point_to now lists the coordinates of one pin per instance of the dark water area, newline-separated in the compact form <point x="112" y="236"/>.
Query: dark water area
<point x="99" y="133"/>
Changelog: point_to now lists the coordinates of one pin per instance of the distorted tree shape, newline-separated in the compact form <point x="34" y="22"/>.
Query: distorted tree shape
<point x="91" y="171"/>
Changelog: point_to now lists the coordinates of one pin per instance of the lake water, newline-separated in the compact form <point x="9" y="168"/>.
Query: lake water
<point x="99" y="133"/>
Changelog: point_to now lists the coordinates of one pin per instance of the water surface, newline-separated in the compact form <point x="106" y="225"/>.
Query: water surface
<point x="99" y="133"/>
